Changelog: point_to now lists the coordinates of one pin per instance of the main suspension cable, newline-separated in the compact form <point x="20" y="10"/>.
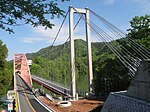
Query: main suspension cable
<point x="118" y="55"/>
<point x="122" y="34"/>
<point x="59" y="29"/>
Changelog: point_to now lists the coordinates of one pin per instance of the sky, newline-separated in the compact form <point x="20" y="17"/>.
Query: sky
<point x="28" y="39"/>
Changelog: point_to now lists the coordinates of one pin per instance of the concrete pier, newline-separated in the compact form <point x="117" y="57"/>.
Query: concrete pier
<point x="140" y="86"/>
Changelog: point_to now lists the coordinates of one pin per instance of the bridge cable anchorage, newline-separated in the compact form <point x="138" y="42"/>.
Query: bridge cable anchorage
<point x="122" y="34"/>
<point x="127" y="64"/>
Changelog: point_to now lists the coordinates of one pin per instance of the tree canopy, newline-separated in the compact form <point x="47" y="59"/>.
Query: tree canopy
<point x="140" y="30"/>
<point x="5" y="73"/>
<point x="34" y="12"/>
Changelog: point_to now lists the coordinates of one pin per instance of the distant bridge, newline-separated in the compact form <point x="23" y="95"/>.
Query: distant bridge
<point x="55" y="88"/>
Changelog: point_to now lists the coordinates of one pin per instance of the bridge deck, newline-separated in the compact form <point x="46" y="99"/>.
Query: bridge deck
<point x="26" y="99"/>
<point x="60" y="90"/>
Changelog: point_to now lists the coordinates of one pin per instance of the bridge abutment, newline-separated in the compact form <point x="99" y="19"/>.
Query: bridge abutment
<point x="140" y="86"/>
<point x="137" y="97"/>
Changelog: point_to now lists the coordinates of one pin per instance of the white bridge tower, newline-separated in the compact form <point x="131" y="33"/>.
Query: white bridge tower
<point x="72" y="56"/>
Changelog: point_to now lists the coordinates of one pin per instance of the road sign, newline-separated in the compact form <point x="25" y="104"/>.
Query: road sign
<point x="10" y="106"/>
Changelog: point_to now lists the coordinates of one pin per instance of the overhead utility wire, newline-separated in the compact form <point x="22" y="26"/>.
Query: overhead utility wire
<point x="118" y="55"/>
<point x="121" y="33"/>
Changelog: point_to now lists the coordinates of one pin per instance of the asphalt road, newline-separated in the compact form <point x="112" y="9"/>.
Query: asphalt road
<point x="27" y="100"/>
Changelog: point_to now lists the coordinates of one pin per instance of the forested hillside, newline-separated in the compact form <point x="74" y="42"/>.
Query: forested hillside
<point x="54" y="63"/>
<point x="109" y="73"/>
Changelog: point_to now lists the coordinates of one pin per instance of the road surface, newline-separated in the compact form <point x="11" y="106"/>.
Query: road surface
<point x="27" y="100"/>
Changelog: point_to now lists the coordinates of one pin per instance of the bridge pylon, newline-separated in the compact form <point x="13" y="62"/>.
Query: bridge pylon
<point x="72" y="56"/>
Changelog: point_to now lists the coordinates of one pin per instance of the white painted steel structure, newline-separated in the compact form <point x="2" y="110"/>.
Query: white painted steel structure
<point x="72" y="56"/>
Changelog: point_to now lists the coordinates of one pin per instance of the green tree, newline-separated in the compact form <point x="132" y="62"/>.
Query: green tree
<point x="34" y="12"/>
<point x="37" y="70"/>
<point x="109" y="68"/>
<point x="5" y="72"/>
<point x="140" y="30"/>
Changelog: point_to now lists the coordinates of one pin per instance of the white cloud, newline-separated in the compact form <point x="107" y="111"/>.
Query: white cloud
<point x="47" y="36"/>
<point x="144" y="5"/>
<point x="51" y="34"/>
<point x="110" y="2"/>
<point x="32" y="40"/>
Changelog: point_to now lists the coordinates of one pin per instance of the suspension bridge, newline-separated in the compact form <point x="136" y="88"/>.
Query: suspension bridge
<point x="23" y="80"/>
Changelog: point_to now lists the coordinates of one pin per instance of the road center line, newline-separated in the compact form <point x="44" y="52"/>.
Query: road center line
<point x="26" y="97"/>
